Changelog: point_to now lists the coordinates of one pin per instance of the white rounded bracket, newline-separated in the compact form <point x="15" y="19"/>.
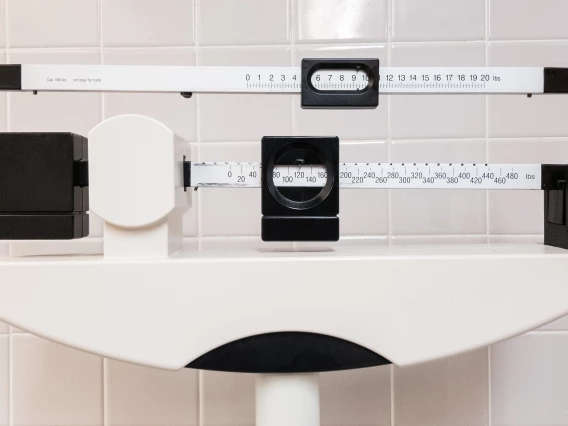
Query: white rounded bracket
<point x="136" y="186"/>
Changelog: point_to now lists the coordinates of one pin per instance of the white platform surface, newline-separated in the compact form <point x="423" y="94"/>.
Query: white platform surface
<point x="408" y="304"/>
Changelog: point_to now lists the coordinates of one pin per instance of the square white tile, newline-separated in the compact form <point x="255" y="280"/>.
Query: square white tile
<point x="54" y="385"/>
<point x="438" y="116"/>
<point x="356" y="397"/>
<point x="449" y="392"/>
<point x="340" y="20"/>
<point x="227" y="399"/>
<point x="147" y="22"/>
<point x="245" y="117"/>
<point x="521" y="212"/>
<point x="175" y="111"/>
<point x="243" y="22"/>
<point x="438" y="20"/>
<point x="138" y="395"/>
<point x="443" y="211"/>
<point x="230" y="212"/>
<point x="4" y="328"/>
<point x="519" y="116"/>
<point x="54" y="23"/>
<point x="4" y="381"/>
<point x="528" y="19"/>
<point x="54" y="112"/>
<point x="529" y="380"/>
<point x="363" y="211"/>
<point x="368" y="124"/>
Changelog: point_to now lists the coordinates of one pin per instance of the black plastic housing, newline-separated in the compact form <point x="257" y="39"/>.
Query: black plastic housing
<point x="43" y="186"/>
<point x="340" y="99"/>
<point x="554" y="179"/>
<point x="314" y="219"/>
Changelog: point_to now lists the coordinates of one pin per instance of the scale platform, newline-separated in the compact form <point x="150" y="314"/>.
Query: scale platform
<point x="408" y="304"/>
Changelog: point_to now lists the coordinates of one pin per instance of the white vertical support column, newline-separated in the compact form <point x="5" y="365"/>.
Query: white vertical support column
<point x="287" y="399"/>
<point x="136" y="186"/>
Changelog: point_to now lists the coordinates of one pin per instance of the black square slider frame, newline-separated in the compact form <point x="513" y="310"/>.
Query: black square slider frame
<point x="341" y="99"/>
<point x="300" y="213"/>
<point x="43" y="186"/>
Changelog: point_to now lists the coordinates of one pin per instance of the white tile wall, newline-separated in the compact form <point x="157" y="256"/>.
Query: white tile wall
<point x="340" y="20"/>
<point x="162" y="397"/>
<point x="54" y="385"/>
<point x="440" y="20"/>
<point x="528" y="19"/>
<point x="454" y="391"/>
<point x="53" y="23"/>
<point x="437" y="116"/>
<point x="528" y="377"/>
<point x="128" y="23"/>
<point x="243" y="22"/>
<point x="520" y="382"/>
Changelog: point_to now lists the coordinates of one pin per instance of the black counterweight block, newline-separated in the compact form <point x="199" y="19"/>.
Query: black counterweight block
<point x="43" y="186"/>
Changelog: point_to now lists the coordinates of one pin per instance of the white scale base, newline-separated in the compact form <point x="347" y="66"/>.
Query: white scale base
<point x="408" y="304"/>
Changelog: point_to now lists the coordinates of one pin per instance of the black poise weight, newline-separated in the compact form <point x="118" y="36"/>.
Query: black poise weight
<point x="343" y="94"/>
<point x="43" y="186"/>
<point x="301" y="212"/>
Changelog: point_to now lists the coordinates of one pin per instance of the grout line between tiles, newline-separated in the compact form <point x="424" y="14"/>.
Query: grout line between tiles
<point x="8" y="94"/>
<point x="330" y="45"/>
<point x="6" y="23"/>
<point x="547" y="332"/>
<point x="489" y="393"/>
<point x="390" y="141"/>
<point x="392" y="397"/>
<point x="390" y="24"/>
<point x="104" y="406"/>
<point x="291" y="22"/>
<point x="487" y="218"/>
<point x="10" y="379"/>
<point x="200" y="399"/>
<point x="291" y="12"/>
<point x="197" y="195"/>
<point x="390" y="27"/>
<point x="105" y="393"/>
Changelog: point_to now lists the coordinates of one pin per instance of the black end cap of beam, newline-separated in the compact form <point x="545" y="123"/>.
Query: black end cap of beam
<point x="186" y="174"/>
<point x="554" y="184"/>
<point x="54" y="226"/>
<point x="555" y="80"/>
<point x="10" y="77"/>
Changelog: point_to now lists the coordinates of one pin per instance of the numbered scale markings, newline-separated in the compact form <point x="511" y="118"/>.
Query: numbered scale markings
<point x="373" y="176"/>
<point x="392" y="80"/>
